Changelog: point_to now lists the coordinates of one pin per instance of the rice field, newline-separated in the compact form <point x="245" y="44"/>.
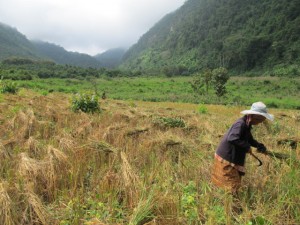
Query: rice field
<point x="137" y="163"/>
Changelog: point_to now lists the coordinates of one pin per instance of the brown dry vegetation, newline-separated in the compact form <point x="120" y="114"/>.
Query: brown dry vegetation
<point x="120" y="167"/>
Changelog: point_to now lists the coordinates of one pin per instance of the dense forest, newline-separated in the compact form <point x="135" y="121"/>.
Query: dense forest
<point x="240" y="35"/>
<point x="15" y="68"/>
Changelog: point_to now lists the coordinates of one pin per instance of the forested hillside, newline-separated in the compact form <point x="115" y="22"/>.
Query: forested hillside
<point x="61" y="56"/>
<point x="111" y="58"/>
<point x="13" y="43"/>
<point x="243" y="36"/>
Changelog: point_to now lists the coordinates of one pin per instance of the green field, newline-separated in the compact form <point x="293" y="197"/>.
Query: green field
<point x="274" y="91"/>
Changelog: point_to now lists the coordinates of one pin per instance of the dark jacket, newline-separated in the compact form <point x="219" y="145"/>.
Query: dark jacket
<point x="237" y="142"/>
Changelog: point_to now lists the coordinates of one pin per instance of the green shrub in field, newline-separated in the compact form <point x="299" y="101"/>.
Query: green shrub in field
<point x="202" y="109"/>
<point x="189" y="203"/>
<point x="87" y="103"/>
<point x="169" y="122"/>
<point x="7" y="86"/>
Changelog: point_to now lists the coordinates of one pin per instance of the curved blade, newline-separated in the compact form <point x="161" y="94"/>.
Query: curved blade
<point x="260" y="162"/>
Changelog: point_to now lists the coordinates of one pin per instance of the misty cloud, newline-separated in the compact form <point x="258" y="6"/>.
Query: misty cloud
<point x="88" y="26"/>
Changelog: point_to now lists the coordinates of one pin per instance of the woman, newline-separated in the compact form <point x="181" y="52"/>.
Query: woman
<point x="231" y="153"/>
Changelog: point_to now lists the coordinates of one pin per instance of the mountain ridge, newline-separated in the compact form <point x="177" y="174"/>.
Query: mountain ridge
<point x="15" y="44"/>
<point x="239" y="35"/>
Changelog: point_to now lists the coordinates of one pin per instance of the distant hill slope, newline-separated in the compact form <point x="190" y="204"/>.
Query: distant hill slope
<point x="240" y="35"/>
<point x="15" y="44"/>
<point x="111" y="58"/>
<point x="61" y="56"/>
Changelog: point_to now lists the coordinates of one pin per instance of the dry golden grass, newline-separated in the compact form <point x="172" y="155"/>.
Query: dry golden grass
<point x="6" y="206"/>
<point x="121" y="167"/>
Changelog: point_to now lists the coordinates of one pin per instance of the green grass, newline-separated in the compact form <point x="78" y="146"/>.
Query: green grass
<point x="275" y="92"/>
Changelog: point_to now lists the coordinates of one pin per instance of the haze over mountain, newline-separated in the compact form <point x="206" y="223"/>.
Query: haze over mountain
<point x="61" y="56"/>
<point x="85" y="26"/>
<point x="111" y="58"/>
<point x="239" y="35"/>
<point x="15" y="44"/>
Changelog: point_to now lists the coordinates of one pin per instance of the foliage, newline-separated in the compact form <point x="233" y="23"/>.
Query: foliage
<point x="241" y="36"/>
<point x="259" y="220"/>
<point x="220" y="78"/>
<point x="15" y="44"/>
<point x="202" y="80"/>
<point x="217" y="77"/>
<point x="275" y="92"/>
<point x="202" y="109"/>
<point x="89" y="209"/>
<point x="111" y="58"/>
<point x="61" y="56"/>
<point x="189" y="203"/>
<point x="285" y="71"/>
<point x="84" y="102"/>
<point x="7" y="86"/>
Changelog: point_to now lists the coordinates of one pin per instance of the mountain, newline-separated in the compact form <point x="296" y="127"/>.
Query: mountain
<point x="15" y="44"/>
<point x="61" y="56"/>
<point x="251" y="35"/>
<point x="111" y="58"/>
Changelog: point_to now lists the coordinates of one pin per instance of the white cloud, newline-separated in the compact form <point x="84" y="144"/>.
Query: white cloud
<point x="89" y="26"/>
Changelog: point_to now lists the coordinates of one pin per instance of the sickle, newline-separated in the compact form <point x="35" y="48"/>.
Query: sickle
<point x="260" y="162"/>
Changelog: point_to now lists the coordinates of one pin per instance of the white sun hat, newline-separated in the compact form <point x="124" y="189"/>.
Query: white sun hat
<point x="259" y="108"/>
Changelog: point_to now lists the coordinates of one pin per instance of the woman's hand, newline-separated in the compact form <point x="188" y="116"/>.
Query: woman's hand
<point x="250" y="150"/>
<point x="261" y="148"/>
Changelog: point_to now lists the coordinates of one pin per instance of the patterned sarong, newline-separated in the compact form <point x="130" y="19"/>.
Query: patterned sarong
<point x="226" y="176"/>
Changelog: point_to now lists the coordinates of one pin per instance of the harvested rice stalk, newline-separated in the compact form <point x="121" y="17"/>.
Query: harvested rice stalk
<point x="131" y="179"/>
<point x="142" y="212"/>
<point x="6" y="207"/>
<point x="36" y="210"/>
<point x="29" y="168"/>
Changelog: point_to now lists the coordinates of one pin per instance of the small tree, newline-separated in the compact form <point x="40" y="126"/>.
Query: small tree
<point x="220" y="77"/>
<point x="201" y="80"/>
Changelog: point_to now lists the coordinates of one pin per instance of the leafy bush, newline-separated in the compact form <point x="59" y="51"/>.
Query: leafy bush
<point x="284" y="71"/>
<point x="87" y="103"/>
<point x="202" y="109"/>
<point x="8" y="87"/>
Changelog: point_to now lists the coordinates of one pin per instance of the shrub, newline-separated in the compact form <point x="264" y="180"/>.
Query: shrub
<point x="8" y="87"/>
<point x="87" y="103"/>
<point x="202" y="109"/>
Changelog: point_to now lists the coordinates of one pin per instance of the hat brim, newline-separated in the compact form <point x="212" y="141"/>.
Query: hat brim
<point x="266" y="115"/>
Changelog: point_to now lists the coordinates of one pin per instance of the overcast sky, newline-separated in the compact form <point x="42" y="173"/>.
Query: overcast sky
<point x="86" y="26"/>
